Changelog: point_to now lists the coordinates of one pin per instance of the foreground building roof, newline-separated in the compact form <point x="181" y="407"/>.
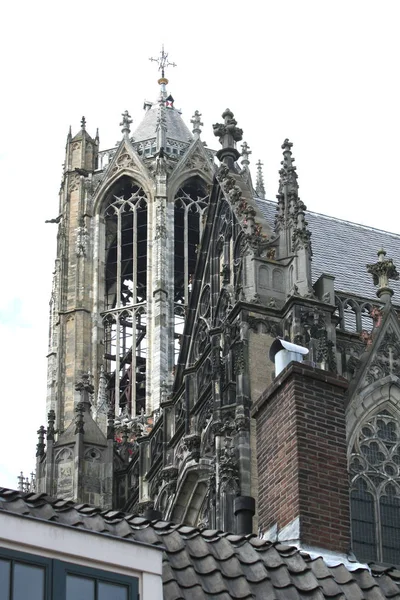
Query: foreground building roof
<point x="204" y="564"/>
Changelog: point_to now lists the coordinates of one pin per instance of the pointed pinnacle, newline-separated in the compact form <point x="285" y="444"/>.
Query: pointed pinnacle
<point x="260" y="189"/>
<point x="245" y="153"/>
<point x="125" y="123"/>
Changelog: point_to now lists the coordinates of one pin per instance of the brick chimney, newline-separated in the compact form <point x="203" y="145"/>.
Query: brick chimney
<point x="302" y="459"/>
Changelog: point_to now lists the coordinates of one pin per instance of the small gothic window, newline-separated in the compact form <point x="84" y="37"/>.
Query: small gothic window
<point x="367" y="322"/>
<point x="291" y="278"/>
<point x="277" y="280"/>
<point x="351" y="316"/>
<point x="264" y="277"/>
<point x="375" y="489"/>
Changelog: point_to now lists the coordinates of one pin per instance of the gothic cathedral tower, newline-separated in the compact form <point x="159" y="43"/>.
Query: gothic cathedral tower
<point x="170" y="286"/>
<point x="129" y="225"/>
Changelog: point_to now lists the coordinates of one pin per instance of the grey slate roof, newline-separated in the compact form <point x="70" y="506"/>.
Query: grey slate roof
<point x="176" y="128"/>
<point x="342" y="249"/>
<point x="206" y="564"/>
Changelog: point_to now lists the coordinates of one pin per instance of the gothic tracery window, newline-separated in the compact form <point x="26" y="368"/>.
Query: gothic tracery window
<point x="375" y="489"/>
<point x="191" y="202"/>
<point x="124" y="315"/>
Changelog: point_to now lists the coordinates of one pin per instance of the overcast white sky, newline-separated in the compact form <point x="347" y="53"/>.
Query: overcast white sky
<point x="325" y="74"/>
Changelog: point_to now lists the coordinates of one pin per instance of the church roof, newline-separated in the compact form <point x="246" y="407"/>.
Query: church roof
<point x="351" y="247"/>
<point x="205" y="564"/>
<point x="176" y="128"/>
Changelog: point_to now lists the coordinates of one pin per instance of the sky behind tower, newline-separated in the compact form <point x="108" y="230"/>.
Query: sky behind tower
<point x="324" y="74"/>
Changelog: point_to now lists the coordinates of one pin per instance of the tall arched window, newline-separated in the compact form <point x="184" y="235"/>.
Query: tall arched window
<point x="124" y="316"/>
<point x="375" y="489"/>
<point x="190" y="201"/>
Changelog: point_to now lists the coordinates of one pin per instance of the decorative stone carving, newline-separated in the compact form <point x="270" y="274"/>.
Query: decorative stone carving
<point x="204" y="304"/>
<point x="40" y="446"/>
<point x="224" y="306"/>
<point x="74" y="182"/>
<point x="79" y="422"/>
<point x="161" y="230"/>
<point x="124" y="161"/>
<point x="264" y="325"/>
<point x="197" y="161"/>
<point x="64" y="455"/>
<point x="383" y="270"/>
<point x="201" y="340"/>
<point x="228" y="466"/>
<point x="192" y="443"/>
<point x="125" y="123"/>
<point x="81" y="242"/>
<point x="205" y="517"/>
<point x="242" y="422"/>
<point x="260" y="189"/>
<point x="228" y="132"/>
<point x="387" y="359"/>
<point x="92" y="455"/>
<point x="240" y="361"/>
<point x="196" y="122"/>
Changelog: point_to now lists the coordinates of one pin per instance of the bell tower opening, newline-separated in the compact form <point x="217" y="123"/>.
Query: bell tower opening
<point x="124" y="317"/>
<point x="191" y="202"/>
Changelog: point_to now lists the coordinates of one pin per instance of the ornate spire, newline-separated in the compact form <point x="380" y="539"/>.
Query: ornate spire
<point x="40" y="445"/>
<point x="196" y="120"/>
<point x="161" y="128"/>
<point x="125" y="124"/>
<point x="85" y="388"/>
<point x="51" y="419"/>
<point x="163" y="63"/>
<point x="291" y="210"/>
<point x="260" y="189"/>
<point x="245" y="155"/>
<point x="110" y="425"/>
<point x="79" y="420"/>
<point x="83" y="124"/>
<point x="228" y="134"/>
<point x="101" y="404"/>
<point x="382" y="271"/>
<point x="21" y="482"/>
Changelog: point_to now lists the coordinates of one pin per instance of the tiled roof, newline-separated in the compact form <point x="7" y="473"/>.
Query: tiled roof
<point x="206" y="564"/>
<point x="343" y="249"/>
<point x="176" y="127"/>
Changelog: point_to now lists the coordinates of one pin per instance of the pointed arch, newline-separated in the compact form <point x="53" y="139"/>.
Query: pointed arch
<point x="188" y="505"/>
<point x="351" y="315"/>
<point x="124" y="214"/>
<point x="110" y="183"/>
<point x="190" y="203"/>
<point x="374" y="467"/>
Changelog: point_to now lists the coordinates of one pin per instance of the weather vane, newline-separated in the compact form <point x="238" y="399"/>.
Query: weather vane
<point x="163" y="62"/>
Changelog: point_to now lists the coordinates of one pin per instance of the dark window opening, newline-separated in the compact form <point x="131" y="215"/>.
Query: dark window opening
<point x="190" y="204"/>
<point x="125" y="297"/>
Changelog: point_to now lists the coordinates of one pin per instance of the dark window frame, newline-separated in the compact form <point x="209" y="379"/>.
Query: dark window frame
<point x="56" y="572"/>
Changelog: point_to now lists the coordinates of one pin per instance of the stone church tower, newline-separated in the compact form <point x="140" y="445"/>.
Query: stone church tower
<point x="173" y="277"/>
